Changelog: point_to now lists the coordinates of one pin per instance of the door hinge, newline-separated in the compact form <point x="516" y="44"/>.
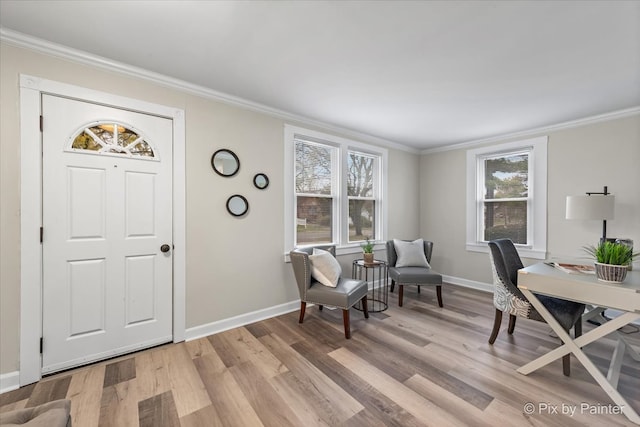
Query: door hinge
<point x="41" y="344"/>
<point x="41" y="123"/>
<point x="41" y="233"/>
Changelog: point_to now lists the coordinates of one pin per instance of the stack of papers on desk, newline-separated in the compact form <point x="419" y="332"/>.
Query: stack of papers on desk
<point x="573" y="268"/>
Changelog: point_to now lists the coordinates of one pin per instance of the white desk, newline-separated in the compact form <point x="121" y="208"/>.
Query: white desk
<point x="544" y="279"/>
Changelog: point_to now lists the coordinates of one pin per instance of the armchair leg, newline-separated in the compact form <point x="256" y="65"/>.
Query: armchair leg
<point x="320" y="307"/>
<point x="393" y="285"/>
<point x="347" y="325"/>
<point x="496" y="326"/>
<point x="418" y="288"/>
<point x="577" y="328"/>
<point x="438" y="293"/>
<point x="365" y="307"/>
<point x="512" y="323"/>
<point x="303" y="306"/>
<point x="400" y="294"/>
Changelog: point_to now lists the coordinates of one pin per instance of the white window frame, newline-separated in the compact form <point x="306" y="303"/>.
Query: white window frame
<point x="341" y="201"/>
<point x="536" y="148"/>
<point x="375" y="196"/>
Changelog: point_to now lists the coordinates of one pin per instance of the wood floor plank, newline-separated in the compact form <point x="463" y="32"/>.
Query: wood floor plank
<point x="199" y="347"/>
<point x="306" y="389"/>
<point x="413" y="403"/>
<point x="119" y="405"/>
<point x="17" y="395"/>
<point x="270" y="407"/>
<point x="206" y="416"/>
<point x="48" y="390"/>
<point x="229" y="404"/>
<point x="159" y="410"/>
<point x="238" y="346"/>
<point x="379" y="405"/>
<point x="457" y="407"/>
<point x="123" y="370"/>
<point x="152" y="374"/>
<point x="189" y="393"/>
<point x="85" y="393"/>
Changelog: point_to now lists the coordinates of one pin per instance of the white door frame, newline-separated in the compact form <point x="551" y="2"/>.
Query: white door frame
<point x="31" y="276"/>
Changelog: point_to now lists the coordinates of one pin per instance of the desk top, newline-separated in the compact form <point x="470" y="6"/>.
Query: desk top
<point x="544" y="279"/>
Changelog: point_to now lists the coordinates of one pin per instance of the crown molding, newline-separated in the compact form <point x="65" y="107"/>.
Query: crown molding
<point x="537" y="131"/>
<point x="21" y="40"/>
<point x="53" y="49"/>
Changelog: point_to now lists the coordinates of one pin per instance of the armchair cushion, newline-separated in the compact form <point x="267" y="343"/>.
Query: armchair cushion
<point x="410" y="254"/>
<point x="344" y="295"/>
<point x="325" y="268"/>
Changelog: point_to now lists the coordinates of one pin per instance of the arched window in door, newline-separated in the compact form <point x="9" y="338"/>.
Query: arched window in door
<point x="111" y="138"/>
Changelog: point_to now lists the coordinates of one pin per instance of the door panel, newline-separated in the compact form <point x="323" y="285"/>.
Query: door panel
<point x="107" y="287"/>
<point x="86" y="296"/>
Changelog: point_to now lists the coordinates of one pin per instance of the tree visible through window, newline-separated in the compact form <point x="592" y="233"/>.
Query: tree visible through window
<point x="337" y="191"/>
<point x="507" y="196"/>
<point x="360" y="190"/>
<point x="314" y="181"/>
<point x="506" y="192"/>
<point x="112" y="138"/>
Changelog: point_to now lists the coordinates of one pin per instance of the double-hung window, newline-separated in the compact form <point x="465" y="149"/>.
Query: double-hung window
<point x="334" y="190"/>
<point x="316" y="190"/>
<point x="506" y="196"/>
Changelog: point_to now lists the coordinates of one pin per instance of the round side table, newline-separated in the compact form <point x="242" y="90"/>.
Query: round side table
<point x="377" y="274"/>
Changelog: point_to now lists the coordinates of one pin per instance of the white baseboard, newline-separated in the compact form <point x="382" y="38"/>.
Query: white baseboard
<point x="241" y="320"/>
<point x="9" y="381"/>
<point x="255" y="316"/>
<point x="481" y="286"/>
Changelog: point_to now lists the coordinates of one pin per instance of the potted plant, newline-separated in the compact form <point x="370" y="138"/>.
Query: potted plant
<point x="367" y="252"/>
<point x="612" y="260"/>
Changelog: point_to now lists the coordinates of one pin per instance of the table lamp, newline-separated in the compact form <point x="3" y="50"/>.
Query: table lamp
<point x="594" y="206"/>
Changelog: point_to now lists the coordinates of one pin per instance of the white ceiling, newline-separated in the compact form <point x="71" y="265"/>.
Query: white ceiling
<point x="421" y="74"/>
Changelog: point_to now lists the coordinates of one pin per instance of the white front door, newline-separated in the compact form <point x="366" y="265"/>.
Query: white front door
<point x="107" y="212"/>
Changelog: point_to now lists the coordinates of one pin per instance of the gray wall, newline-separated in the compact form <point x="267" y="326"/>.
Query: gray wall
<point x="234" y="266"/>
<point x="580" y="159"/>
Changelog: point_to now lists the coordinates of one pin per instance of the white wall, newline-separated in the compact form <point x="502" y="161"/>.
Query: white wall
<point x="234" y="266"/>
<point x="580" y="159"/>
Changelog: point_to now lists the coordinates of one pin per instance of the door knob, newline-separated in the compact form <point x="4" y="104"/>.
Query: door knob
<point x="165" y="248"/>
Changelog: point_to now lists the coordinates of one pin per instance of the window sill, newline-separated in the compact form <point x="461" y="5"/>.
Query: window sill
<point x="348" y="250"/>
<point x="523" y="251"/>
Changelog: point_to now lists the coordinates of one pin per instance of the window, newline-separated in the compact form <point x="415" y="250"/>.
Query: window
<point x="316" y="190"/>
<point x="112" y="139"/>
<point x="506" y="196"/>
<point x="336" y="187"/>
<point x="361" y="179"/>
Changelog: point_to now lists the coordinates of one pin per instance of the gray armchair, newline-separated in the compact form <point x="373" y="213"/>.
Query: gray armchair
<point x="505" y="263"/>
<point x="344" y="295"/>
<point x="412" y="275"/>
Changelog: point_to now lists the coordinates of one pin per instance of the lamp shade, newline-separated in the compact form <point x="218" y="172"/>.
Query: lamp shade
<point x="596" y="206"/>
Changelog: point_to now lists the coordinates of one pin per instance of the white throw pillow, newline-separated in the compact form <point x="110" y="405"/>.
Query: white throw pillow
<point x="325" y="268"/>
<point x="410" y="254"/>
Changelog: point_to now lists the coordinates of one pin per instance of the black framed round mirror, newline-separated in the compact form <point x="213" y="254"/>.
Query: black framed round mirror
<point x="237" y="205"/>
<point x="261" y="181"/>
<point x="225" y="162"/>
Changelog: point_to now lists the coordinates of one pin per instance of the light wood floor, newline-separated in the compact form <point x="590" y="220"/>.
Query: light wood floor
<point x="411" y="366"/>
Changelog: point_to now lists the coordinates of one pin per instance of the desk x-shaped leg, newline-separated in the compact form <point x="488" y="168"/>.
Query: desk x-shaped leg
<point x="574" y="346"/>
<point x="596" y="313"/>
